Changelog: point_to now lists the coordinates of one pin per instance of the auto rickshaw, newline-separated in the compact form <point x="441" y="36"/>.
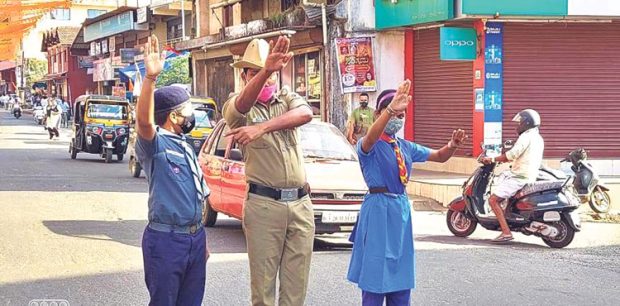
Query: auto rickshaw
<point x="100" y="126"/>
<point x="205" y="111"/>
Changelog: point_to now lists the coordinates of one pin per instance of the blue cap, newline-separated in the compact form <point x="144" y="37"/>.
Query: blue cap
<point x="169" y="97"/>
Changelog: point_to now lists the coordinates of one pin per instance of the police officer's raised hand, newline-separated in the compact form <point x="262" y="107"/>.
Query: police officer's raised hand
<point x="278" y="56"/>
<point x="153" y="58"/>
<point x="245" y="135"/>
<point x="402" y="98"/>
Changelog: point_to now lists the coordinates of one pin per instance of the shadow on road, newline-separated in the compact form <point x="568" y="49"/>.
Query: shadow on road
<point x="477" y="242"/>
<point x="127" y="232"/>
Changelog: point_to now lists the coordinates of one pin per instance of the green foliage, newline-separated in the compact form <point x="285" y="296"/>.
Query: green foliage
<point x="177" y="72"/>
<point x="37" y="69"/>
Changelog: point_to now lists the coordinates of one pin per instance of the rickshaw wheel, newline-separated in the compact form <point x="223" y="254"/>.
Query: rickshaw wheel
<point x="72" y="150"/>
<point x="119" y="157"/>
<point x="108" y="156"/>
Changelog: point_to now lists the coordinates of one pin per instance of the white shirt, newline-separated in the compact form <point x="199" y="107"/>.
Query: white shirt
<point x="527" y="155"/>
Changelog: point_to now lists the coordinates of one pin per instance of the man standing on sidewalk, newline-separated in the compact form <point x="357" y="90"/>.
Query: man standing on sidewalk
<point x="278" y="217"/>
<point x="360" y="121"/>
<point x="174" y="242"/>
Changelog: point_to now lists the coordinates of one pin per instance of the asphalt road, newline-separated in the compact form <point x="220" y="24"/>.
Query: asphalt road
<point x="71" y="230"/>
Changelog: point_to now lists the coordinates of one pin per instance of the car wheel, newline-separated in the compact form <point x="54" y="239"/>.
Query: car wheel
<point x="210" y="215"/>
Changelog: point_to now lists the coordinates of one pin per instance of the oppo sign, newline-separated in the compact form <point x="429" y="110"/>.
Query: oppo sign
<point x="457" y="44"/>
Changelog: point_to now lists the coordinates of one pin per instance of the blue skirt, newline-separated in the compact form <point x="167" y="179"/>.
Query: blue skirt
<point x="383" y="260"/>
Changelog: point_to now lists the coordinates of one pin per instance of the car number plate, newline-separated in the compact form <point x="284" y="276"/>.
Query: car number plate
<point x="339" y="217"/>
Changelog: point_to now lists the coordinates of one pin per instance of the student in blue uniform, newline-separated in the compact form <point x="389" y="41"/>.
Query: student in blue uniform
<point x="382" y="261"/>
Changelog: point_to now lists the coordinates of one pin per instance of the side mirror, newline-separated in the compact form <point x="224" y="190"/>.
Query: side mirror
<point x="236" y="155"/>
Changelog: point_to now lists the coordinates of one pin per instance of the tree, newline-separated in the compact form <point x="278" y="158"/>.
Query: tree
<point x="176" y="73"/>
<point x="37" y="69"/>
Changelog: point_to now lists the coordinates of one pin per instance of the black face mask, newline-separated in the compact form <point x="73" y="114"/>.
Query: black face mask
<point x="189" y="123"/>
<point x="363" y="104"/>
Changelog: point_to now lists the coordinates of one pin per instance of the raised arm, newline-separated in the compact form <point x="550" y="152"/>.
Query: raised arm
<point x="277" y="59"/>
<point x="397" y="106"/>
<point x="154" y="64"/>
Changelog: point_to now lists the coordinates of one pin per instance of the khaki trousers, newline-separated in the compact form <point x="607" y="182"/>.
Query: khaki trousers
<point x="280" y="238"/>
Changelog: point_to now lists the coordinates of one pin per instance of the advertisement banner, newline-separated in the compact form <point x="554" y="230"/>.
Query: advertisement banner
<point x="457" y="44"/>
<point x="493" y="83"/>
<point x="355" y="64"/>
<point x="103" y="70"/>
<point x="128" y="55"/>
<point x="391" y="14"/>
<point x="119" y="91"/>
<point x="516" y="8"/>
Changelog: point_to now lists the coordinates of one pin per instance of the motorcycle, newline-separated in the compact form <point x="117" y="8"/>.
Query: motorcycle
<point x="546" y="209"/>
<point x="587" y="185"/>
<point x="17" y="111"/>
<point x="38" y="114"/>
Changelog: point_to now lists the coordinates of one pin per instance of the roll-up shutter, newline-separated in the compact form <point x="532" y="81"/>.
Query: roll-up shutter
<point x="443" y="93"/>
<point x="570" y="74"/>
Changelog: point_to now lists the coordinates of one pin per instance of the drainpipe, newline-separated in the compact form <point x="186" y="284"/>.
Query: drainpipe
<point x="183" y="17"/>
<point x="323" y="17"/>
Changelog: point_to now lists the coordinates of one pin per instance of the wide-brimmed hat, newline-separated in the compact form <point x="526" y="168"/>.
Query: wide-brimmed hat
<point x="255" y="55"/>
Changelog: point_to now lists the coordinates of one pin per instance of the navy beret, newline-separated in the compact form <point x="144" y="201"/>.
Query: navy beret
<point x="169" y="97"/>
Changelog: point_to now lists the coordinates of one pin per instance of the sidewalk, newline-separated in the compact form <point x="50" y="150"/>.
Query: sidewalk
<point x="431" y="190"/>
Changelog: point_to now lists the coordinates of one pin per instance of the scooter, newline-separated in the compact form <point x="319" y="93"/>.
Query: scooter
<point x="17" y="111"/>
<point x="38" y="114"/>
<point x="546" y="209"/>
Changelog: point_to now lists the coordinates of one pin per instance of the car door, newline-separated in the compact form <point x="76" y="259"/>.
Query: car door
<point x="211" y="165"/>
<point x="234" y="187"/>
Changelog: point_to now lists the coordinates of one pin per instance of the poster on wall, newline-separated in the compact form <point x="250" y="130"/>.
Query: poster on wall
<point x="355" y="64"/>
<point x="104" y="46"/>
<point x="494" y="87"/>
<point x="119" y="91"/>
<point x="103" y="70"/>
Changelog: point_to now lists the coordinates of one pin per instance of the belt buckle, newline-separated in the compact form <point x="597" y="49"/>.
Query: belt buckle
<point x="290" y="194"/>
<point x="192" y="229"/>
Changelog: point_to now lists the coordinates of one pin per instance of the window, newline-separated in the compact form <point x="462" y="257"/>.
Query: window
<point x="60" y="14"/>
<point x="227" y="13"/>
<point x="286" y="4"/>
<point x="94" y="13"/>
<point x="175" y="29"/>
<point x="222" y="143"/>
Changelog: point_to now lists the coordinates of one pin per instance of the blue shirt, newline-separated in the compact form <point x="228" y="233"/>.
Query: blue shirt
<point x="173" y="196"/>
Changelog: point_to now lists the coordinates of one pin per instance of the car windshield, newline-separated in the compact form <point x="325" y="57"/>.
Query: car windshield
<point x="325" y="142"/>
<point x="203" y="118"/>
<point x="106" y="111"/>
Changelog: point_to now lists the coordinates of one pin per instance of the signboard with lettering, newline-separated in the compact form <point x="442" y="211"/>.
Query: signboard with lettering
<point x="457" y="44"/>
<point x="103" y="70"/>
<point x="104" y="46"/>
<point x="128" y="55"/>
<point x="142" y="15"/>
<point x="516" y="8"/>
<point x="391" y="14"/>
<point x="112" y="44"/>
<point x="493" y="87"/>
<point x="109" y="26"/>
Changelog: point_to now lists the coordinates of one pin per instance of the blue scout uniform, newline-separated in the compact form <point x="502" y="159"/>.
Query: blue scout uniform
<point x="174" y="242"/>
<point x="382" y="260"/>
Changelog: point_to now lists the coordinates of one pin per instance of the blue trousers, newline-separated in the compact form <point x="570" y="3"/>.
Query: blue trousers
<point x="174" y="267"/>
<point x="398" y="298"/>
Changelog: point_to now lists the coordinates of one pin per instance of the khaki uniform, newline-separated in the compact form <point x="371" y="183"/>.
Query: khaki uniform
<point x="279" y="235"/>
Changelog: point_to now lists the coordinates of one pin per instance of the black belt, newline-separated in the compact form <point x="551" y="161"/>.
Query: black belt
<point x="378" y="190"/>
<point x="290" y="194"/>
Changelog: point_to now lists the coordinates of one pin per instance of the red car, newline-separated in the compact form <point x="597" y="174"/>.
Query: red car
<point x="335" y="178"/>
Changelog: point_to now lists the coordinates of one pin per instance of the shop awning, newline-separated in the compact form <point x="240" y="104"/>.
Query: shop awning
<point x="54" y="76"/>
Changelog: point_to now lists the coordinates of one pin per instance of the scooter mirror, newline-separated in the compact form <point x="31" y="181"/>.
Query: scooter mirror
<point x="508" y="144"/>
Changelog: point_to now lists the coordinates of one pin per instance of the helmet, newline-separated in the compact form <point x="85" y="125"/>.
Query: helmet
<point x="527" y="119"/>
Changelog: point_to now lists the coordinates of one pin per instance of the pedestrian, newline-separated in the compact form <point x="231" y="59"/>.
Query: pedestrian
<point x="65" y="111"/>
<point x="278" y="217"/>
<point x="382" y="260"/>
<point x="54" y="114"/>
<point x="360" y="121"/>
<point x="174" y="243"/>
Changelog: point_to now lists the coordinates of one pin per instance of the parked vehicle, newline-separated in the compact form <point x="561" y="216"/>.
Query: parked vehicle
<point x="332" y="168"/>
<point x="205" y="111"/>
<point x="38" y="114"/>
<point x="100" y="126"/>
<point x="546" y="209"/>
<point x="587" y="185"/>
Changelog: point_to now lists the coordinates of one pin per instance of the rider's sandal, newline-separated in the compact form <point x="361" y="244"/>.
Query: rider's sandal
<point x="502" y="239"/>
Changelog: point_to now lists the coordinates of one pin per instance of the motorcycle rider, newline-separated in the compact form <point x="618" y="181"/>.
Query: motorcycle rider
<point x="526" y="156"/>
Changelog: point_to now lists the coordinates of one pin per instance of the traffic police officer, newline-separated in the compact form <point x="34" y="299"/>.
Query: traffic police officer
<point x="278" y="219"/>
<point x="174" y="242"/>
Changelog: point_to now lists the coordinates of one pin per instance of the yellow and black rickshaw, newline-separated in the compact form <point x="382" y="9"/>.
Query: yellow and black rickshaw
<point x="207" y="115"/>
<point x="100" y="126"/>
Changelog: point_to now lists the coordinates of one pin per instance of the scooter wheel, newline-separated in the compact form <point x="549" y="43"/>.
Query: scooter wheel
<point x="565" y="235"/>
<point x="459" y="224"/>
<point x="600" y="201"/>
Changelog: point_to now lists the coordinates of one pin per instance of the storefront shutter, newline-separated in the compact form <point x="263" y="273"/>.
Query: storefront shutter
<point x="570" y="74"/>
<point x="443" y="94"/>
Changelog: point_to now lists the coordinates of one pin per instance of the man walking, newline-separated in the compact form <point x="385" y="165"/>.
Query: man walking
<point x="278" y="217"/>
<point x="360" y="121"/>
<point x="174" y="242"/>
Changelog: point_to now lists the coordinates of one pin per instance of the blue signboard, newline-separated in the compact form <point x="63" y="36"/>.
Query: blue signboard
<point x="493" y="84"/>
<point x="109" y="26"/>
<point x="458" y="44"/>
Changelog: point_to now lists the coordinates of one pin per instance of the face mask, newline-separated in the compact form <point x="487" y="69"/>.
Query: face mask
<point x="189" y="123"/>
<point x="363" y="104"/>
<point x="394" y="125"/>
<point x="267" y="93"/>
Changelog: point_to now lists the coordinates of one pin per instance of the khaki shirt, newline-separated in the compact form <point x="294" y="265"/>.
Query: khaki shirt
<point x="527" y="155"/>
<point x="274" y="160"/>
